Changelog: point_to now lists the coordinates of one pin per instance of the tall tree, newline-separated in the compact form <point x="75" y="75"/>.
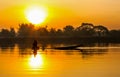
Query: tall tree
<point x="100" y="31"/>
<point x="42" y="31"/>
<point x="26" y="30"/>
<point x="5" y="33"/>
<point x="68" y="30"/>
<point x="12" y="32"/>
<point x="86" y="29"/>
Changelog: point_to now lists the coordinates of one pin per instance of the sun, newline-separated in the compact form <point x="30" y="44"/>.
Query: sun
<point x="35" y="15"/>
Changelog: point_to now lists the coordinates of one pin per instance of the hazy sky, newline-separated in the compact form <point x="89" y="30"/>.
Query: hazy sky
<point x="63" y="12"/>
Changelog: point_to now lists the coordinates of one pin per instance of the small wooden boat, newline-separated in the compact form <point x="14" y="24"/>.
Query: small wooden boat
<point x="67" y="47"/>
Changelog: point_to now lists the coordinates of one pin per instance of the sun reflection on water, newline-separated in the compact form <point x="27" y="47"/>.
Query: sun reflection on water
<point x="36" y="61"/>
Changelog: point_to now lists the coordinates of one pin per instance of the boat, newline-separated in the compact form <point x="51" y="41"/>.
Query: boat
<point x="67" y="47"/>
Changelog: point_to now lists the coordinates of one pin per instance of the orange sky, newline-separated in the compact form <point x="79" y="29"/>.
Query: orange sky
<point x="63" y="12"/>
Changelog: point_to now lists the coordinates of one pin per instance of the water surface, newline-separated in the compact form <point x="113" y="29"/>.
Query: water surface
<point x="97" y="60"/>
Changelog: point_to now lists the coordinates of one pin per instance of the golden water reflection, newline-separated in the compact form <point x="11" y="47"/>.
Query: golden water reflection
<point x="36" y="61"/>
<point x="20" y="62"/>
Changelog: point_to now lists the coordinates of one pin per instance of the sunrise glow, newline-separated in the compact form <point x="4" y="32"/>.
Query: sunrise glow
<point x="35" y="15"/>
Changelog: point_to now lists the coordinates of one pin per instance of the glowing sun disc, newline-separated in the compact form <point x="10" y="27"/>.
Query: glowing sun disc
<point x="35" y="15"/>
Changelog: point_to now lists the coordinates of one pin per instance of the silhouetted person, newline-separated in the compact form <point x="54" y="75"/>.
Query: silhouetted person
<point x="35" y="47"/>
<point x="35" y="43"/>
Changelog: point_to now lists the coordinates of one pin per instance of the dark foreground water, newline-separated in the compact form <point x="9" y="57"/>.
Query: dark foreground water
<point x="98" y="60"/>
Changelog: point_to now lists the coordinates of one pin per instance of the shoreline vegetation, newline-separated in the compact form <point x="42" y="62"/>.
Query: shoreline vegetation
<point x="86" y="32"/>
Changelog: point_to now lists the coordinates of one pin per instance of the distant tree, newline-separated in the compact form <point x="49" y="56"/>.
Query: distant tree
<point x="86" y="29"/>
<point x="12" y="32"/>
<point x="86" y="26"/>
<point x="52" y="32"/>
<point x="42" y="31"/>
<point x="100" y="31"/>
<point x="59" y="32"/>
<point x="26" y="30"/>
<point x="114" y="33"/>
<point x="68" y="30"/>
<point x="5" y="33"/>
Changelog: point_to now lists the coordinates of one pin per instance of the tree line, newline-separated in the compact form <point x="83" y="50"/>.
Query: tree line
<point x="85" y="30"/>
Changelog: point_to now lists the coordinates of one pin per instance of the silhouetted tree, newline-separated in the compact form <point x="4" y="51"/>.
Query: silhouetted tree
<point x="86" y="29"/>
<point x="12" y="33"/>
<point x="52" y="32"/>
<point x="100" y="31"/>
<point x="68" y="30"/>
<point x="114" y="33"/>
<point x="59" y="32"/>
<point x="26" y="30"/>
<point x="42" y="31"/>
<point x="86" y="26"/>
<point x="5" y="33"/>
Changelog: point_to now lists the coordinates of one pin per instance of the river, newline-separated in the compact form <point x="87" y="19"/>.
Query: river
<point x="96" y="60"/>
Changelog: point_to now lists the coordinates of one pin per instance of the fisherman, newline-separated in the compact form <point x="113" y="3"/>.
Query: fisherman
<point x="35" y="45"/>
